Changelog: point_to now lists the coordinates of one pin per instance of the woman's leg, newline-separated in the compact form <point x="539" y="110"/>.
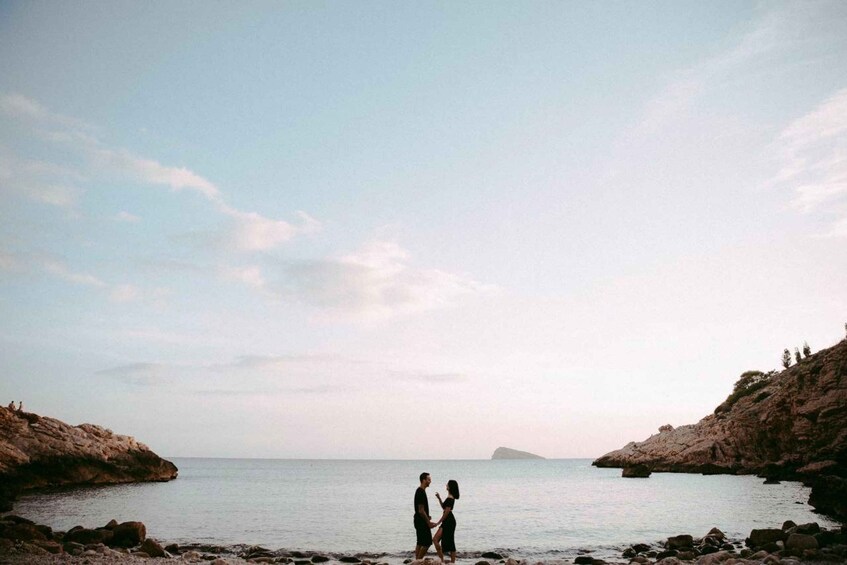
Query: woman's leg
<point x="436" y="541"/>
<point x="452" y="557"/>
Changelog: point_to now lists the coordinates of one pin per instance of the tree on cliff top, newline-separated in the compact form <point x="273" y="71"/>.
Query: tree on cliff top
<point x="748" y="383"/>
<point x="786" y="358"/>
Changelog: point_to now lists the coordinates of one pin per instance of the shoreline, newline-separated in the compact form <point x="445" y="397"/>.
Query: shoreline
<point x="23" y="541"/>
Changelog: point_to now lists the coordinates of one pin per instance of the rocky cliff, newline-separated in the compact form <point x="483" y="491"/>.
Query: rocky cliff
<point x="791" y="424"/>
<point x="508" y="453"/>
<point x="38" y="452"/>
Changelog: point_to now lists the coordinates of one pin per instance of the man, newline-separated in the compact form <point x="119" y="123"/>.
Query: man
<point x="423" y="521"/>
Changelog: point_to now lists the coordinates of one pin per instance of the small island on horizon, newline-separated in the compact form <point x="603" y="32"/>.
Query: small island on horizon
<point x="509" y="453"/>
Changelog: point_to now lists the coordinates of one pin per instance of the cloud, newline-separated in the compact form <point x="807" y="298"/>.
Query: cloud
<point x="124" y="216"/>
<point x="60" y="270"/>
<point x="141" y="374"/>
<point x="376" y="282"/>
<point x="149" y="171"/>
<point x="252" y="231"/>
<point x="39" y="181"/>
<point x="812" y="152"/>
<point x="431" y="378"/>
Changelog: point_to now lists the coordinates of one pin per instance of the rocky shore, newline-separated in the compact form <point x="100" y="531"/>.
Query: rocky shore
<point x="22" y="541"/>
<point x="788" y="425"/>
<point x="38" y="452"/>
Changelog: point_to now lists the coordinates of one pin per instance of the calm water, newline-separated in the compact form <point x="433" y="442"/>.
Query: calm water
<point x="529" y="508"/>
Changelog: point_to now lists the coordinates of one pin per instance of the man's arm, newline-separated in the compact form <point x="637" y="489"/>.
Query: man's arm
<point x="422" y="512"/>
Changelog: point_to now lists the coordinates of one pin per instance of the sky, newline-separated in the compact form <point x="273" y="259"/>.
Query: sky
<point x="414" y="230"/>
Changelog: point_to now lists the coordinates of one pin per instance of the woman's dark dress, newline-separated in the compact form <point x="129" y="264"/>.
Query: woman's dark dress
<point x="448" y="528"/>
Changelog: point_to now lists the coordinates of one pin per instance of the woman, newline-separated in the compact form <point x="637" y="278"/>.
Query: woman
<point x="443" y="538"/>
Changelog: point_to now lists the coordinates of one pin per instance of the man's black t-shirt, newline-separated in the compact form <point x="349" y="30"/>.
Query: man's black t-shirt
<point x="420" y="498"/>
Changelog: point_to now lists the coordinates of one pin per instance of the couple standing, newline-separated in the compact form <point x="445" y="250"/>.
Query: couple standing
<point x="444" y="541"/>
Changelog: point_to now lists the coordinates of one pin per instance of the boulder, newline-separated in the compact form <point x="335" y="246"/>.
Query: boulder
<point x="73" y="547"/>
<point x="583" y="560"/>
<point x="349" y="559"/>
<point x="641" y="547"/>
<point x="22" y="532"/>
<point x="636" y="472"/>
<point x="787" y="525"/>
<point x="87" y="537"/>
<point x="761" y="537"/>
<point x="715" y="558"/>
<point x="491" y="555"/>
<point x="49" y="545"/>
<point x="128" y="534"/>
<point x="801" y="542"/>
<point x="716" y="533"/>
<point x="319" y="559"/>
<point x="152" y="548"/>
<point x="810" y="528"/>
<point x="686" y="556"/>
<point x="680" y="542"/>
<point x="111" y="525"/>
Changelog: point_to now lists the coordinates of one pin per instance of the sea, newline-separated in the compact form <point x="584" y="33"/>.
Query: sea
<point x="541" y="510"/>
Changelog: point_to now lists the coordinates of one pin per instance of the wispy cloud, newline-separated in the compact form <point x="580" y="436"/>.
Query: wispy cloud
<point x="40" y="181"/>
<point x="279" y="374"/>
<point x="124" y="216"/>
<point x="378" y="281"/>
<point x="812" y="151"/>
<point x="60" y="270"/>
<point x="250" y="230"/>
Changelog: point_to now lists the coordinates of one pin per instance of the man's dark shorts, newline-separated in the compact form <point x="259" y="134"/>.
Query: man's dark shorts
<point x="423" y="532"/>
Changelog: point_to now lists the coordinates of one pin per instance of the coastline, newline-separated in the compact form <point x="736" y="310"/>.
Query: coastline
<point x="22" y="541"/>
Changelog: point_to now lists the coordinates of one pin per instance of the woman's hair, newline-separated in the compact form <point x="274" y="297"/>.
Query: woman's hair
<point x="453" y="487"/>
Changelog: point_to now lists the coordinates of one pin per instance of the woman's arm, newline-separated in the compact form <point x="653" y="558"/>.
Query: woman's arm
<point x="444" y="514"/>
<point x="441" y="502"/>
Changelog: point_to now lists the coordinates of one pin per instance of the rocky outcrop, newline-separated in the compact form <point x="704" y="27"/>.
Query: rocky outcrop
<point x="791" y="425"/>
<point x="508" y="453"/>
<point x="37" y="452"/>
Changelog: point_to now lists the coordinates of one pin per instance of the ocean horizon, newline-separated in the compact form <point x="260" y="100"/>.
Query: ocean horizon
<point x="539" y="509"/>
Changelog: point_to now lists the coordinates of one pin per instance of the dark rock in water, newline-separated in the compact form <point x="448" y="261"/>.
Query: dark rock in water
<point x="128" y="534"/>
<point x="636" y="472"/>
<point x="583" y="560"/>
<point x="811" y="528"/>
<point x="491" y="555"/>
<point x="641" y="547"/>
<point x="667" y="553"/>
<point x="801" y="541"/>
<point x="707" y="549"/>
<point x="319" y="559"/>
<point x="151" y="548"/>
<point x="716" y="533"/>
<point x="629" y="552"/>
<point x="686" y="556"/>
<point x="787" y="525"/>
<point x="111" y="525"/>
<point x="680" y="542"/>
<point x="172" y="548"/>
<point x="771" y="481"/>
<point x="477" y="563"/>
<point x="765" y="536"/>
<point x="349" y="559"/>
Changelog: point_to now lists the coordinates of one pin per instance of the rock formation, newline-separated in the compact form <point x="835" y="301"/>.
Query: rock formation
<point x="789" y="425"/>
<point x="37" y="452"/>
<point x="508" y="453"/>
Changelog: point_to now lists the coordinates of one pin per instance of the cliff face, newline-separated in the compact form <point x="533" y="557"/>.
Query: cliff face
<point x="39" y="452"/>
<point x="791" y="424"/>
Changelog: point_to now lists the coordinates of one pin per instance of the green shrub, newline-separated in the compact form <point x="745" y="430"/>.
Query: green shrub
<point x="748" y="383"/>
